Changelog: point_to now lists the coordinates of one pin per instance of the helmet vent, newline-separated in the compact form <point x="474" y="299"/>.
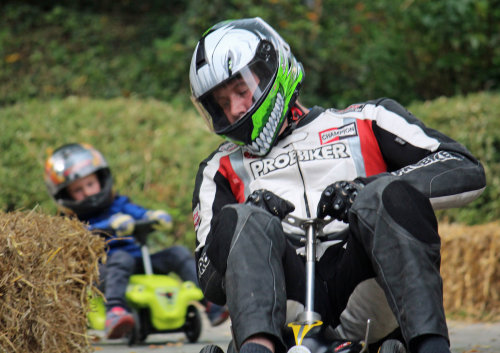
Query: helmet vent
<point x="200" y="54"/>
<point x="230" y="66"/>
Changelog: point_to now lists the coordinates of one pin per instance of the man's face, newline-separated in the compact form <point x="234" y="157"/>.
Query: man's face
<point x="236" y="97"/>
<point x="84" y="187"/>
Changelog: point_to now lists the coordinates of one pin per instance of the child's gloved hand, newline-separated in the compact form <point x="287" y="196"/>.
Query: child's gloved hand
<point x="122" y="224"/>
<point x="163" y="218"/>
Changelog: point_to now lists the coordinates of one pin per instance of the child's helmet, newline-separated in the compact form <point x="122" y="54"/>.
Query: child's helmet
<point x="238" y="49"/>
<point x="71" y="162"/>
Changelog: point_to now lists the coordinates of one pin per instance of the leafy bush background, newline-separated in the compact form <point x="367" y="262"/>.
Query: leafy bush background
<point x="409" y="50"/>
<point x="115" y="74"/>
<point x="154" y="149"/>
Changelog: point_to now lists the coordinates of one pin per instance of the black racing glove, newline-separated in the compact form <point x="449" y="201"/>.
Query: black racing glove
<point x="337" y="199"/>
<point x="270" y="202"/>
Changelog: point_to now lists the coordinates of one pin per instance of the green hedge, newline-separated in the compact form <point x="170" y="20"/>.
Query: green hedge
<point x="473" y="121"/>
<point x="410" y="50"/>
<point x="154" y="149"/>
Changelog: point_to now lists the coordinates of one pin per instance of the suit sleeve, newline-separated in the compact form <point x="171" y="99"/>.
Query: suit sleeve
<point x="441" y="168"/>
<point x="211" y="192"/>
<point x="134" y="210"/>
<point x="121" y="204"/>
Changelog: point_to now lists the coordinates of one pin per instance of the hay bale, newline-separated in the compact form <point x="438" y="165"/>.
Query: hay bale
<point x="48" y="266"/>
<point x="470" y="267"/>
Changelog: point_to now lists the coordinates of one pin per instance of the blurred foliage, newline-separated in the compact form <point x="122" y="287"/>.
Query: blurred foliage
<point x="98" y="71"/>
<point x="154" y="149"/>
<point x="352" y="51"/>
<point x="472" y="121"/>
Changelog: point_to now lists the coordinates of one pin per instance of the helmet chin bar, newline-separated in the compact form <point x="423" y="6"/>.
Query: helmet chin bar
<point x="263" y="143"/>
<point x="261" y="146"/>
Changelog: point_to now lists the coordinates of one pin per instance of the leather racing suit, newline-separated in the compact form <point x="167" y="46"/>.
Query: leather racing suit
<point x="392" y="250"/>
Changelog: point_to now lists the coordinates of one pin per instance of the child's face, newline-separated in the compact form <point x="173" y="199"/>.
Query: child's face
<point x="84" y="187"/>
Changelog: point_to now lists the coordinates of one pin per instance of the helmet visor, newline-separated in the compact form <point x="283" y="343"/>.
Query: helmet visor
<point x="229" y="104"/>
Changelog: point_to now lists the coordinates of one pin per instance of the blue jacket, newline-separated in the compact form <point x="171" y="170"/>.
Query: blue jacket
<point x="121" y="204"/>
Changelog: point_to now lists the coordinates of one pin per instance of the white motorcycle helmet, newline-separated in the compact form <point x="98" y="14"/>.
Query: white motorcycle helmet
<point x="71" y="162"/>
<point x="251" y="51"/>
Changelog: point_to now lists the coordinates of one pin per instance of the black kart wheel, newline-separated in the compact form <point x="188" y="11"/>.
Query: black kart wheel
<point x="140" y="331"/>
<point x="133" y="336"/>
<point x="192" y="327"/>
<point x="211" y="348"/>
<point x="392" y="346"/>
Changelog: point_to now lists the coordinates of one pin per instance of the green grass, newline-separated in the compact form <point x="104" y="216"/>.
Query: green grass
<point x="154" y="150"/>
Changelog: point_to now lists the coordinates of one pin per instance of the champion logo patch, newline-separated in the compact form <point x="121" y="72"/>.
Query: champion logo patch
<point x="338" y="133"/>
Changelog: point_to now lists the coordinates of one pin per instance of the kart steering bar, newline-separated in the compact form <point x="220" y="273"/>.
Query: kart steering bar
<point x="313" y="227"/>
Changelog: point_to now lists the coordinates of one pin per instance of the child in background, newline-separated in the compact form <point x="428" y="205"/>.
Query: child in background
<point x="79" y="179"/>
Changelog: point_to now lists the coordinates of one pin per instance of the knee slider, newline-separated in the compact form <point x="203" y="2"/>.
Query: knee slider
<point x="412" y="210"/>
<point x="244" y="220"/>
<point x="262" y="222"/>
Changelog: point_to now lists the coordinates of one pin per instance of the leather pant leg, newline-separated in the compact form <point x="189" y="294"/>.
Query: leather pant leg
<point x="396" y="225"/>
<point x="116" y="274"/>
<point x="248" y="250"/>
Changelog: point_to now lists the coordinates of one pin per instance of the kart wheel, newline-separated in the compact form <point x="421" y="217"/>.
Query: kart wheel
<point x="133" y="336"/>
<point x="139" y="332"/>
<point x="211" y="348"/>
<point x="192" y="327"/>
<point x="392" y="346"/>
<point x="299" y="349"/>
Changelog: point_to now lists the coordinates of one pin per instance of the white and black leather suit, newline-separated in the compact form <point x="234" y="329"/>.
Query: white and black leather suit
<point x="392" y="250"/>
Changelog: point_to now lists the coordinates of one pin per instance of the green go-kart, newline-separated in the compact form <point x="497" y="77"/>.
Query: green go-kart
<point x="159" y="303"/>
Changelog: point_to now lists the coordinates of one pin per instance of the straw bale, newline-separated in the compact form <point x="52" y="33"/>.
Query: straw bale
<point x="470" y="267"/>
<point x="48" y="267"/>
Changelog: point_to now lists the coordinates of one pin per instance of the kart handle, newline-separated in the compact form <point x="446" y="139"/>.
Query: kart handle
<point x="312" y="227"/>
<point x="142" y="228"/>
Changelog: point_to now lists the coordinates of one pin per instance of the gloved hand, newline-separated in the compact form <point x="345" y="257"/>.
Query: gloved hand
<point x="337" y="199"/>
<point x="123" y="224"/>
<point x="163" y="218"/>
<point x="270" y="202"/>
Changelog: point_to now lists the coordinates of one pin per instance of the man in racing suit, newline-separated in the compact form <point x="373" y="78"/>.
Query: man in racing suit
<point x="373" y="167"/>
